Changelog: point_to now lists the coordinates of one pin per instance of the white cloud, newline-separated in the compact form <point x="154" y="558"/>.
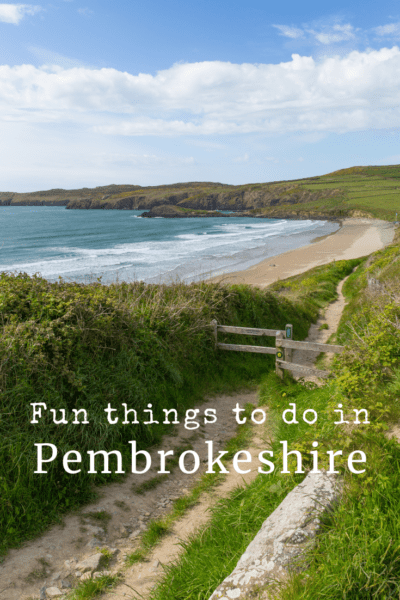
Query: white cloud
<point x="85" y="11"/>
<point x="338" y="33"/>
<point x="242" y="159"/>
<point x="14" y="13"/>
<point x="48" y="57"/>
<point x="392" y="29"/>
<point x="322" y="33"/>
<point x="290" y="32"/>
<point x="337" y="94"/>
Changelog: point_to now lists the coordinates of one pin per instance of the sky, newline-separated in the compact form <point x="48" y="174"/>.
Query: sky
<point x="165" y="91"/>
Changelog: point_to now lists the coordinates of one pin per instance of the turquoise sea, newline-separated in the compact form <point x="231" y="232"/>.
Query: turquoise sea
<point x="118" y="245"/>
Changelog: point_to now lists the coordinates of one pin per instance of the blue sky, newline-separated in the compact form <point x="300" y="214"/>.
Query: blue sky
<point x="158" y="92"/>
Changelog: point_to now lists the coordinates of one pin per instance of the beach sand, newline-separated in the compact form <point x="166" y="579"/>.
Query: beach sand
<point x="355" y="238"/>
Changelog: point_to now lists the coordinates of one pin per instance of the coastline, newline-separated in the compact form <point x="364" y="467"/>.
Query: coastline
<point x="355" y="238"/>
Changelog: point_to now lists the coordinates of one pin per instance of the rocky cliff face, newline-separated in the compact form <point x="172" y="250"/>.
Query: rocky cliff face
<point x="193" y="196"/>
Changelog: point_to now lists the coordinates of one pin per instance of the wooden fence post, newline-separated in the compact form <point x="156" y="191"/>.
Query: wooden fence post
<point x="279" y="353"/>
<point x="215" y="325"/>
<point x="288" y="336"/>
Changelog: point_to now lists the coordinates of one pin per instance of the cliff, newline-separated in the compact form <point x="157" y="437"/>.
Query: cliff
<point x="195" y="196"/>
<point x="366" y="191"/>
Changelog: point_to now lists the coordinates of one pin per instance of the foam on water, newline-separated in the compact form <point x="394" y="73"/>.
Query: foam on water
<point x="78" y="244"/>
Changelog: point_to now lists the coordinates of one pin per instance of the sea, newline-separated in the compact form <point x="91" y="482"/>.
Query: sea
<point x="118" y="245"/>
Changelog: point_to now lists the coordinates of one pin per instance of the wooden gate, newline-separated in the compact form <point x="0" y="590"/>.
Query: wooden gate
<point x="284" y="344"/>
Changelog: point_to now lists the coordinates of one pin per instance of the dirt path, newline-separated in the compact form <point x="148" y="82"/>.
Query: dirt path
<point x="330" y="318"/>
<point x="41" y="562"/>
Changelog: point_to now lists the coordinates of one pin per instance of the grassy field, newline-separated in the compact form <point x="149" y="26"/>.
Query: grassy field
<point x="371" y="190"/>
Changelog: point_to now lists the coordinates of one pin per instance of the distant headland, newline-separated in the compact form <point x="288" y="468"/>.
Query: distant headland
<point x="363" y="192"/>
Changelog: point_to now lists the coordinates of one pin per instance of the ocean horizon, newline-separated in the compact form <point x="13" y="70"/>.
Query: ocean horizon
<point x="81" y="246"/>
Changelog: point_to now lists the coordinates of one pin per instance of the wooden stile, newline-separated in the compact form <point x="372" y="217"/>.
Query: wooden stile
<point x="284" y="345"/>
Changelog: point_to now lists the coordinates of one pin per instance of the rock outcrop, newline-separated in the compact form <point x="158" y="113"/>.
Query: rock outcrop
<point x="174" y="212"/>
<point x="284" y="535"/>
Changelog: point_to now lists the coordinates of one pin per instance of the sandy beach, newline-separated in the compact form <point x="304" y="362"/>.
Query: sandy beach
<point x="355" y="238"/>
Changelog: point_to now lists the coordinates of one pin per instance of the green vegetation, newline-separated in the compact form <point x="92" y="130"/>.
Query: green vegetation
<point x="92" y="588"/>
<point x="315" y="288"/>
<point x="75" y="346"/>
<point x="369" y="191"/>
<point x="357" y="555"/>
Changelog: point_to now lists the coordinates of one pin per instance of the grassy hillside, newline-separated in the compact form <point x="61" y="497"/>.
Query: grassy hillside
<point x="357" y="191"/>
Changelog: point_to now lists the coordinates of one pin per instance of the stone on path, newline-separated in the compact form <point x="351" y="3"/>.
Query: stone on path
<point x="53" y="592"/>
<point x="92" y="563"/>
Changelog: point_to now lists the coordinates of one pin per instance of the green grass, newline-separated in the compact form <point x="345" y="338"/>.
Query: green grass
<point x="358" y="553"/>
<point x="86" y="345"/>
<point x="93" y="588"/>
<point x="370" y="190"/>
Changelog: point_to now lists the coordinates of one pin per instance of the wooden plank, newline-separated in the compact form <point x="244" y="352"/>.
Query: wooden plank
<point x="247" y="330"/>
<point x="312" y="346"/>
<point x="302" y="369"/>
<point x="240" y="348"/>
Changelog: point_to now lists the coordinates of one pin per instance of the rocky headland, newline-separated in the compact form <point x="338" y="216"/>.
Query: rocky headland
<point x="183" y="200"/>
<point x="353" y="192"/>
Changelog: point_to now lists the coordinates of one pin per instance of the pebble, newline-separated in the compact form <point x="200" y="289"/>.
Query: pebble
<point x="53" y="592"/>
<point x="135" y="533"/>
<point x="100" y="574"/>
<point x="93" y="543"/>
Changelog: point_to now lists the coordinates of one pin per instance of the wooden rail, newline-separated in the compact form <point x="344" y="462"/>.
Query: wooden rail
<point x="240" y="348"/>
<point x="311" y="346"/>
<point x="247" y="330"/>
<point x="282" y="364"/>
<point x="284" y="345"/>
